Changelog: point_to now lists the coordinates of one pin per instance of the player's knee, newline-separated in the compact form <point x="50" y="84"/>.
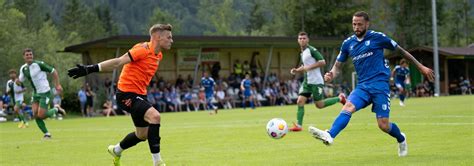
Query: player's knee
<point x="383" y="126"/>
<point x="320" y="105"/>
<point x="153" y="116"/>
<point x="349" y="107"/>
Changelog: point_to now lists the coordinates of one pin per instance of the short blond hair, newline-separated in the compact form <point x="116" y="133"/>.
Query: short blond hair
<point x="160" y="28"/>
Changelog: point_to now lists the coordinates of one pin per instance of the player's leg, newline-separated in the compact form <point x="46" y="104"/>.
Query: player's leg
<point x="381" y="107"/>
<point x="301" y="101"/>
<point x="401" y="91"/>
<point x="252" y="104"/>
<point x="130" y="103"/>
<point x="357" y="99"/>
<point x="320" y="102"/>
<point x="39" y="114"/>
<point x="153" y="117"/>
<point x="19" y="113"/>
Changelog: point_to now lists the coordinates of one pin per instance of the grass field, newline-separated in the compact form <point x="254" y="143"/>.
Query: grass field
<point x="439" y="130"/>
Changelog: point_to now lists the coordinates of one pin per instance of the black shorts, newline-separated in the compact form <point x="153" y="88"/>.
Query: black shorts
<point x="136" y="105"/>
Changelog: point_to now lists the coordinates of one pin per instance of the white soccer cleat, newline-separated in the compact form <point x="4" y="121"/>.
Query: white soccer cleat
<point x="402" y="104"/>
<point x="160" y="163"/>
<point x="403" y="147"/>
<point x="321" y="135"/>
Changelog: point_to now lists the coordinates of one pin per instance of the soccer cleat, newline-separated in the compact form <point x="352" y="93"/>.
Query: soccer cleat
<point x="321" y="135"/>
<point x="215" y="109"/>
<point x="160" y="163"/>
<point x="47" y="137"/>
<point x="342" y="98"/>
<point x="403" y="147"/>
<point x="21" y="125"/>
<point x="402" y="104"/>
<point x="296" y="127"/>
<point x="111" y="151"/>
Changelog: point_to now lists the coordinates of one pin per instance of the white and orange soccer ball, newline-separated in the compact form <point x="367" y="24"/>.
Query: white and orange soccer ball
<point x="277" y="128"/>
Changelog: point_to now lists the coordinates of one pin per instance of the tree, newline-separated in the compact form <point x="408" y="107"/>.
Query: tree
<point x="105" y="17"/>
<point x="325" y="18"/>
<point x="164" y="17"/>
<point x="34" y="12"/>
<point x="80" y="19"/>
<point x="219" y="17"/>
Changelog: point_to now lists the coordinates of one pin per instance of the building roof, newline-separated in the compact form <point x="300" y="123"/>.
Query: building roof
<point x="127" y="41"/>
<point x="448" y="51"/>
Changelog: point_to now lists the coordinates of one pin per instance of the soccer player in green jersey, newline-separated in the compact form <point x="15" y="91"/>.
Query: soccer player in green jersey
<point x="313" y="82"/>
<point x="36" y="73"/>
<point x="16" y="93"/>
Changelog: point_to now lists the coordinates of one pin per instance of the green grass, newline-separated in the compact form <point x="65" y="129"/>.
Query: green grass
<point x="439" y="130"/>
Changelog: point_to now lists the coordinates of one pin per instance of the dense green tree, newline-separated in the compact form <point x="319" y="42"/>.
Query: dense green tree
<point x="81" y="19"/>
<point x="164" y="17"/>
<point x="219" y="17"/>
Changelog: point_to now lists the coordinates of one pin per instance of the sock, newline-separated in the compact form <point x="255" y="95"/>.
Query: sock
<point x="41" y="125"/>
<point x="130" y="140"/>
<point x="300" y="115"/>
<point x="51" y="112"/>
<point x="394" y="131"/>
<point x="340" y="123"/>
<point x="243" y="104"/>
<point x="402" y="97"/>
<point x="331" y="101"/>
<point x="252" y="105"/>
<point x="117" y="149"/>
<point x="156" y="158"/>
<point x="21" y="117"/>
<point x="154" y="138"/>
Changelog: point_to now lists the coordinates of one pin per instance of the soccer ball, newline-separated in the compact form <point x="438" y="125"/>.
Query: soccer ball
<point x="277" y="128"/>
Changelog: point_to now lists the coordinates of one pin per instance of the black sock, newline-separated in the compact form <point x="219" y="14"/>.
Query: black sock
<point x="154" y="138"/>
<point x="130" y="140"/>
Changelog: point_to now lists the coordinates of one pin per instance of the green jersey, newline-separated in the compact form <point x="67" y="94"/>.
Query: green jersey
<point x="36" y="73"/>
<point x="309" y="56"/>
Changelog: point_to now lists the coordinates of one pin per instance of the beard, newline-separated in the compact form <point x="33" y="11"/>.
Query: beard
<point x="361" y="33"/>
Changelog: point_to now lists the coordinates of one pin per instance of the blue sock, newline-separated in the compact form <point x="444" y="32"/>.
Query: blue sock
<point x="340" y="123"/>
<point x="252" y="105"/>
<point x="402" y="98"/>
<point x="243" y="104"/>
<point x="394" y="131"/>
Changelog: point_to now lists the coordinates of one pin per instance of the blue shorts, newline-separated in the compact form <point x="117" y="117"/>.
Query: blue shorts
<point x="380" y="101"/>
<point x="247" y="93"/>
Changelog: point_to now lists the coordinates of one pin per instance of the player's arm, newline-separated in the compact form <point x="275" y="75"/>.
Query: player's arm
<point x="334" y="72"/>
<point x="107" y="65"/>
<point x="423" y="69"/>
<point x="392" y="74"/>
<point x="242" y="85"/>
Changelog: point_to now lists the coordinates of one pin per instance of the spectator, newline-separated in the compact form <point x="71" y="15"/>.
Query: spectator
<point x="187" y="98"/>
<point x="108" y="108"/>
<point x="238" y="68"/>
<point x="246" y="67"/>
<point x="107" y="85"/>
<point x="221" y="98"/>
<point x="175" y="99"/>
<point x="202" y="99"/>
<point x="256" y="96"/>
<point x="190" y="81"/>
<point x="179" y="81"/>
<point x="465" y="86"/>
<point x="158" y="94"/>
<point x="215" y="70"/>
<point x="81" y="95"/>
<point x="270" y="95"/>
<point x="89" y="101"/>
<point x="284" y="93"/>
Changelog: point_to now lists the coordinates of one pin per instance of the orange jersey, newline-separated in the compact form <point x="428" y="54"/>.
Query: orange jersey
<point x="137" y="74"/>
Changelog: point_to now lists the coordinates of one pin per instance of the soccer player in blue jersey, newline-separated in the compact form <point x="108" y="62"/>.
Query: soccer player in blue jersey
<point x="208" y="84"/>
<point x="246" y="87"/>
<point x="402" y="75"/>
<point x="365" y="48"/>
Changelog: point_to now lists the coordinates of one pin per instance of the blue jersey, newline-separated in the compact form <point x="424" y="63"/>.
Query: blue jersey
<point x="208" y="84"/>
<point x="401" y="73"/>
<point x="246" y="83"/>
<point x="368" y="58"/>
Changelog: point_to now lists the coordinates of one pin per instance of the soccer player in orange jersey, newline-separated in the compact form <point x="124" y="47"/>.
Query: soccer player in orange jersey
<point x="140" y="64"/>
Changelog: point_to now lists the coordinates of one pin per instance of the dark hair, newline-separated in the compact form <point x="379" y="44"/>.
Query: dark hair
<point x="27" y="50"/>
<point x="362" y="14"/>
<point x="11" y="71"/>
<point x="302" y="33"/>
